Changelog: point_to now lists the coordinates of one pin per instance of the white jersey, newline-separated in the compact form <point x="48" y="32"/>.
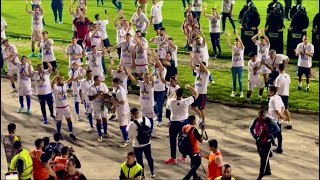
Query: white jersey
<point x="237" y="56"/>
<point x="47" y="50"/>
<point x="42" y="80"/>
<point x="161" y="50"/>
<point x="201" y="82"/>
<point x="275" y="62"/>
<point x="35" y="2"/>
<point x="197" y="5"/>
<point x="9" y="51"/>
<point x="77" y="75"/>
<point x="122" y="76"/>
<point x="158" y="84"/>
<point x="170" y="91"/>
<point x="140" y="21"/>
<point x="94" y="63"/>
<point x="141" y="55"/>
<point x="146" y="94"/>
<point x="23" y="79"/>
<point x="3" y="27"/>
<point x="102" y="28"/>
<point x="84" y="86"/>
<point x="282" y="83"/>
<point x="121" y="33"/>
<point x="96" y="39"/>
<point x="121" y="95"/>
<point x="126" y="52"/>
<point x="251" y="65"/>
<point x="226" y="5"/>
<point x="262" y="50"/>
<point x="214" y="23"/>
<point x="60" y="95"/>
<point x="93" y="90"/>
<point x="73" y="50"/>
<point x="156" y="12"/>
<point x="200" y="52"/>
<point x="275" y="103"/>
<point x="36" y="21"/>
<point x="304" y="60"/>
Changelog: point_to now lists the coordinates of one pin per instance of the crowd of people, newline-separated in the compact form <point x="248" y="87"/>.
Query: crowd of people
<point x="155" y="72"/>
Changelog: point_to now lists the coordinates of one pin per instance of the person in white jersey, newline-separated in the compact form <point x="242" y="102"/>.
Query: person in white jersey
<point x="46" y="46"/>
<point x="304" y="51"/>
<point x="160" y="39"/>
<point x="140" y="21"/>
<point x="263" y="46"/>
<point x="24" y="81"/>
<point x="95" y="93"/>
<point x="199" y="52"/>
<point x="282" y="83"/>
<point x="276" y="113"/>
<point x="59" y="89"/>
<point x="197" y="9"/>
<point x="214" y="29"/>
<point x="35" y="3"/>
<point x="77" y="73"/>
<point x="169" y="46"/>
<point x="94" y="62"/>
<point x="156" y="15"/>
<point x="227" y="10"/>
<point x="140" y="52"/>
<point x="43" y="90"/>
<point x="126" y="48"/>
<point x="4" y="26"/>
<point x="83" y="91"/>
<point x="74" y="51"/>
<point x="122" y="107"/>
<point x="254" y="68"/>
<point x="179" y="114"/>
<point x="237" y="63"/>
<point x="36" y="27"/>
<point x="10" y="54"/>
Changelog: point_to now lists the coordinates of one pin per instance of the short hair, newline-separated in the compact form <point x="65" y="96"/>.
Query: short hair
<point x="162" y="29"/>
<point x="128" y="34"/>
<point x="116" y="80"/>
<point x="91" y="24"/>
<point x="272" y="52"/>
<point x="191" y="119"/>
<point x="36" y="6"/>
<point x="179" y="92"/>
<point x="93" y="46"/>
<point x="213" y="143"/>
<point x="282" y="66"/>
<point x="273" y="89"/>
<point x="168" y="52"/>
<point x="74" y="37"/>
<point x="131" y="154"/>
<point x="46" y="140"/>
<point x="170" y="38"/>
<point x="134" y="110"/>
<point x="96" y="77"/>
<point x="11" y="127"/>
<point x="252" y="54"/>
<point x="204" y="63"/>
<point x="96" y="16"/>
<point x="57" y="136"/>
<point x="17" y="145"/>
<point x="88" y="71"/>
<point x="45" y="32"/>
<point x="173" y="78"/>
<point x="38" y="142"/>
<point x="261" y="37"/>
<point x="138" y="31"/>
<point x="4" y="41"/>
<point x="72" y="160"/>
<point x="226" y="166"/>
<point x="65" y="150"/>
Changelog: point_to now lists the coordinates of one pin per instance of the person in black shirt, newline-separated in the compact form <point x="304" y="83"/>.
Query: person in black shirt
<point x="300" y="20"/>
<point x="293" y="10"/>
<point x="274" y="21"/>
<point x="169" y="64"/>
<point x="251" y="18"/>
<point x="273" y="4"/>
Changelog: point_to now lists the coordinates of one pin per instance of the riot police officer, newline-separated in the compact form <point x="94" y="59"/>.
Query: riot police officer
<point x="316" y="35"/>
<point x="243" y="10"/>
<point x="280" y="7"/>
<point x="300" y="20"/>
<point x="274" y="22"/>
<point x="251" y="18"/>
<point x="293" y="10"/>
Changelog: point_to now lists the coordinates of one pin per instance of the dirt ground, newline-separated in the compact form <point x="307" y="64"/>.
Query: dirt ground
<point x="228" y="125"/>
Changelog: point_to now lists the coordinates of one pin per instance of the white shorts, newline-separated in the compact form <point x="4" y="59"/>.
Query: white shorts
<point x="123" y="119"/>
<point x="76" y="98"/>
<point x="25" y="91"/>
<point x="147" y="111"/>
<point x="142" y="69"/>
<point x="126" y="64"/>
<point x="98" y="114"/>
<point x="63" y="112"/>
<point x="255" y="83"/>
<point x="87" y="106"/>
<point x="265" y="70"/>
<point x="12" y="71"/>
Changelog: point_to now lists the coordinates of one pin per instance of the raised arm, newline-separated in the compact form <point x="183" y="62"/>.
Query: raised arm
<point x="254" y="38"/>
<point x="194" y="92"/>
<point x="239" y="39"/>
<point x="54" y="81"/>
<point x="28" y="11"/>
<point x="110" y="66"/>
<point x="228" y="40"/>
<point x="130" y="76"/>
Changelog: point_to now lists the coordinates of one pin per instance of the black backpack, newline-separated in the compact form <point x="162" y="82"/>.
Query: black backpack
<point x="184" y="142"/>
<point x="144" y="132"/>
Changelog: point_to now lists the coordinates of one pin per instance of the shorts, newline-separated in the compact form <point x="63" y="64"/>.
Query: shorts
<point x="285" y="100"/>
<point x="142" y="69"/>
<point x="147" y="111"/>
<point x="24" y="91"/>
<point x="265" y="70"/>
<point x="157" y="26"/>
<point x="255" y="83"/>
<point x="98" y="114"/>
<point x="36" y="35"/>
<point x="200" y="102"/>
<point x="88" y="107"/>
<point x="125" y="64"/>
<point x="106" y="42"/>
<point x="305" y="71"/>
<point x="123" y="118"/>
<point x="76" y="98"/>
<point x="63" y="112"/>
<point x="12" y="71"/>
<point x="53" y="64"/>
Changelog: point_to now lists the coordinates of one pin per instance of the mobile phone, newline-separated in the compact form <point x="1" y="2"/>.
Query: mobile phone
<point x="105" y="11"/>
<point x="11" y="176"/>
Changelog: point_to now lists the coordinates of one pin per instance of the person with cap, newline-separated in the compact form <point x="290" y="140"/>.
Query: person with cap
<point x="300" y="20"/>
<point x="130" y="169"/>
<point x="278" y="5"/>
<point x="254" y="67"/>
<point x="226" y="173"/>
<point x="294" y="9"/>
<point x="8" y="141"/>
<point x="215" y="158"/>
<point x="274" y="22"/>
<point x="251" y="18"/>
<point x="21" y="162"/>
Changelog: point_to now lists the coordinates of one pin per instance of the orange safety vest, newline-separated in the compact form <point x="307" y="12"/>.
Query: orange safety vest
<point x="59" y="163"/>
<point x="194" y="141"/>
<point x="214" y="170"/>
<point x="39" y="170"/>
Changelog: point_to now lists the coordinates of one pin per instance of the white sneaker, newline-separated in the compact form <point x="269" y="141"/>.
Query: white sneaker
<point x="100" y="139"/>
<point x="78" y="118"/>
<point x="233" y="94"/>
<point x="241" y="94"/>
<point x="159" y="124"/>
<point x="13" y="91"/>
<point x="153" y="175"/>
<point x="125" y="144"/>
<point x="60" y="22"/>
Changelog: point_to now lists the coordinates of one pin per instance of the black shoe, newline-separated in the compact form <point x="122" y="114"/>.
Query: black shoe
<point x="307" y="89"/>
<point x="271" y="154"/>
<point x="112" y="117"/>
<point x="299" y="88"/>
<point x="72" y="136"/>
<point x="267" y="173"/>
<point x="279" y="151"/>
<point x="288" y="127"/>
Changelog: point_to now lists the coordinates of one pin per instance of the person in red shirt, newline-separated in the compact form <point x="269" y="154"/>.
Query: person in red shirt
<point x="81" y="23"/>
<point x="215" y="160"/>
<point x="40" y="168"/>
<point x="71" y="173"/>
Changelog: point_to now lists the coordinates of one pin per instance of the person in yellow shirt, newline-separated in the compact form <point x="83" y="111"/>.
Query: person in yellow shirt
<point x="21" y="162"/>
<point x="130" y="169"/>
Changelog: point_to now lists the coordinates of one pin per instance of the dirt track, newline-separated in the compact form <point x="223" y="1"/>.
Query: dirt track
<point x="229" y="126"/>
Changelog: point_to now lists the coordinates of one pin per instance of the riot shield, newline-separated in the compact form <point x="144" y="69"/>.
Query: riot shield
<point x="294" y="38"/>
<point x="276" y="41"/>
<point x="316" y="44"/>
<point x="246" y="36"/>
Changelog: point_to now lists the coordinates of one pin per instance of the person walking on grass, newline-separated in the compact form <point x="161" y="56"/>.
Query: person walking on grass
<point x="130" y="169"/>
<point x="214" y="29"/>
<point x="43" y="90"/>
<point x="10" y="54"/>
<point x="57" y="8"/>
<point x="179" y="114"/>
<point x="59" y="88"/>
<point x="156" y="15"/>
<point x="36" y="26"/>
<point x="282" y="83"/>
<point x="254" y="67"/>
<point x="76" y="13"/>
<point x="227" y="12"/>
<point x="197" y="9"/>
<point x="117" y="4"/>
<point x="215" y="158"/>
<point x="140" y="21"/>
<point x="47" y="55"/>
<point x="237" y="63"/>
<point x="94" y="62"/>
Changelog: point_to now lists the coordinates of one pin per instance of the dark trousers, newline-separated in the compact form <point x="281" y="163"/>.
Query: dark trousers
<point x="224" y="18"/>
<point x="174" y="130"/>
<point x="101" y="2"/>
<point x="278" y="135"/>
<point x="272" y="77"/>
<point x="215" y="41"/>
<point x="159" y="101"/>
<point x="264" y="152"/>
<point x="57" y="9"/>
<point x="287" y="7"/>
<point x="198" y="14"/>
<point x="1" y="60"/>
<point x="119" y="52"/>
<point x="117" y="4"/>
<point x="184" y="3"/>
<point x="103" y="65"/>
<point x="42" y="100"/>
<point x="147" y="153"/>
<point x="195" y="163"/>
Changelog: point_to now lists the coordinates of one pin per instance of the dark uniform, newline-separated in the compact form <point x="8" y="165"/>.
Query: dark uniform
<point x="251" y="17"/>
<point x="316" y="36"/>
<point x="273" y="4"/>
<point x="300" y="20"/>
<point x="243" y="10"/>
<point x="287" y="7"/>
<point x="274" y="20"/>
<point x="293" y="10"/>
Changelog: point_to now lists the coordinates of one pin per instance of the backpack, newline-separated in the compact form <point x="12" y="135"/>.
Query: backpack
<point x="184" y="142"/>
<point x="54" y="147"/>
<point x="144" y="132"/>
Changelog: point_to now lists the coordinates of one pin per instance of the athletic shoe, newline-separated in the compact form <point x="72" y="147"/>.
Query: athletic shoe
<point x="53" y="117"/>
<point x="112" y="118"/>
<point x="299" y="88"/>
<point x="182" y="159"/>
<point x="279" y="151"/>
<point x="241" y="94"/>
<point x="60" y="22"/>
<point x="45" y="121"/>
<point x="100" y="139"/>
<point x="153" y="175"/>
<point x="29" y="112"/>
<point x="159" y="124"/>
<point x="20" y="110"/>
<point x="90" y="129"/>
<point x="13" y="91"/>
<point x="267" y="173"/>
<point x="288" y="127"/>
<point x="307" y="89"/>
<point x="72" y="136"/>
<point x="32" y="55"/>
<point x="170" y="161"/>
<point x="125" y="144"/>
<point x="40" y="55"/>
<point x="233" y="94"/>
<point x="78" y="118"/>
<point x="107" y="135"/>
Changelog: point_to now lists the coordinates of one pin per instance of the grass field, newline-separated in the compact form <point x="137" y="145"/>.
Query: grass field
<point x="19" y="21"/>
<point x="221" y="74"/>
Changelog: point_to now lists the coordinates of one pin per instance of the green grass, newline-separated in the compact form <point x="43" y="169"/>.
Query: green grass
<point x="221" y="74"/>
<point x="19" y="21"/>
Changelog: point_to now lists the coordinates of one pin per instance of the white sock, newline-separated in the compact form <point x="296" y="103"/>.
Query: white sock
<point x="300" y="84"/>
<point x="308" y="85"/>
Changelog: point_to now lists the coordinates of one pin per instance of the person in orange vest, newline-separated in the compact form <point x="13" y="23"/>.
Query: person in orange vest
<point x="40" y="169"/>
<point x="215" y="160"/>
<point x="195" y="138"/>
<point x="60" y="162"/>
